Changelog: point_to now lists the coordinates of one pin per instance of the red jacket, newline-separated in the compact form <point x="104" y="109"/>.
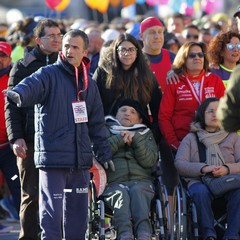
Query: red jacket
<point x="3" y="86"/>
<point x="179" y="104"/>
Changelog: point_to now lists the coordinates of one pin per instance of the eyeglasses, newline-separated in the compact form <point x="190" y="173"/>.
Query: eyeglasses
<point x="124" y="51"/>
<point x="193" y="55"/>
<point x="53" y="37"/>
<point x="192" y="36"/>
<point x="231" y="46"/>
<point x="210" y="111"/>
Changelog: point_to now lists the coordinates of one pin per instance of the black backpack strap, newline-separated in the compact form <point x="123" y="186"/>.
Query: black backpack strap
<point x="201" y="150"/>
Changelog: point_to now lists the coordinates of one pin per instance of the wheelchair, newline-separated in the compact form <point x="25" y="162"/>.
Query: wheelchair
<point x="159" y="212"/>
<point x="184" y="217"/>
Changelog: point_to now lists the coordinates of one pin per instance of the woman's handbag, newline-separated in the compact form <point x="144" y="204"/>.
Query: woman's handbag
<point x="218" y="186"/>
<point x="221" y="185"/>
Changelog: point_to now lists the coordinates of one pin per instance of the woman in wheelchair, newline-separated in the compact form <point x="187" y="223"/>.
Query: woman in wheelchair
<point x="222" y="151"/>
<point x="129" y="189"/>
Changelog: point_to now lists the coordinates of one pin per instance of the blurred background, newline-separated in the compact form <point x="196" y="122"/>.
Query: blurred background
<point x="106" y="10"/>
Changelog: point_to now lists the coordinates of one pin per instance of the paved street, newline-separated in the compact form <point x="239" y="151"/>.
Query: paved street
<point x="13" y="235"/>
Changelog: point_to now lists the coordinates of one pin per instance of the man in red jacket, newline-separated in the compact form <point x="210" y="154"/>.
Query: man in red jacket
<point x="7" y="159"/>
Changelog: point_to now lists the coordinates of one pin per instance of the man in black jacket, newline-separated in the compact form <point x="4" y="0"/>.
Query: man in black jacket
<point x="20" y="122"/>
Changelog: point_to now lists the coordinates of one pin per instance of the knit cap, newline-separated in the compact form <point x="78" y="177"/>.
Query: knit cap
<point x="149" y="22"/>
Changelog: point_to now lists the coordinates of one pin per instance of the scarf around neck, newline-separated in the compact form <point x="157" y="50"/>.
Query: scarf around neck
<point x="115" y="127"/>
<point x="211" y="140"/>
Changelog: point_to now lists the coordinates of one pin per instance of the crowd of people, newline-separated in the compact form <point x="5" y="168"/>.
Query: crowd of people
<point x="121" y="92"/>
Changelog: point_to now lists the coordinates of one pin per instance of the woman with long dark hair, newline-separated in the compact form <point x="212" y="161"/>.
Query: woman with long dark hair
<point x="125" y="73"/>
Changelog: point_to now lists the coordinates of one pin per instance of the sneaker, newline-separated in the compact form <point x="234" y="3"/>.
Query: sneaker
<point x="6" y="204"/>
<point x="5" y="229"/>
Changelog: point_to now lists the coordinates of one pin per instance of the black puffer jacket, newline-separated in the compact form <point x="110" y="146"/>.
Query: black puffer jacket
<point x="20" y="121"/>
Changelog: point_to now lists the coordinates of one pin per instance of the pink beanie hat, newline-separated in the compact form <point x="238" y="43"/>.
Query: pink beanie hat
<point x="149" y="22"/>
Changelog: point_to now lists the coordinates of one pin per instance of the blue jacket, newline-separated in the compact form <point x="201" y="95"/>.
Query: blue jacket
<point x="59" y="142"/>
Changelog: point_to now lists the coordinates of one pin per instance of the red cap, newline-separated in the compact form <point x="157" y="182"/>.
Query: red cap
<point x="5" y="48"/>
<point x="149" y="22"/>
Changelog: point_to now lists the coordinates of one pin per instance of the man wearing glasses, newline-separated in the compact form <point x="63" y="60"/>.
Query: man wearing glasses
<point x="20" y="122"/>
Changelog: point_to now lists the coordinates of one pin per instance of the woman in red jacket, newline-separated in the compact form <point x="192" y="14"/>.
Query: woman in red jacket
<point x="181" y="100"/>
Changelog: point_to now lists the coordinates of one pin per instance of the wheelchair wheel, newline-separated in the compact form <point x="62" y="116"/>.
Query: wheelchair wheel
<point x="96" y="212"/>
<point x="161" y="222"/>
<point x="184" y="219"/>
<point x="179" y="220"/>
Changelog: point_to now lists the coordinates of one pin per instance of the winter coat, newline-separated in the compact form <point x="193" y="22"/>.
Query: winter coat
<point x="134" y="162"/>
<point x="20" y="121"/>
<point x="59" y="142"/>
<point x="178" y="106"/>
<point x="187" y="160"/>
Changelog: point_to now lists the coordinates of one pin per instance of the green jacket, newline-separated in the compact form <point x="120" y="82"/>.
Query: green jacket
<point x="229" y="106"/>
<point x="133" y="162"/>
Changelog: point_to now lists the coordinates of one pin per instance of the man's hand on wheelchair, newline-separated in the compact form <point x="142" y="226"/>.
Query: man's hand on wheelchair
<point x="110" y="165"/>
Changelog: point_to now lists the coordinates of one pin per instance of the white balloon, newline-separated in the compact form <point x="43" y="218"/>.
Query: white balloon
<point x="14" y="15"/>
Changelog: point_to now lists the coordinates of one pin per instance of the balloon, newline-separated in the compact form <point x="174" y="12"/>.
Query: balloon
<point x="58" y="5"/>
<point x="209" y="6"/>
<point x="62" y="5"/>
<point x="156" y="2"/>
<point x="126" y="3"/>
<point x="52" y="3"/>
<point x="115" y="3"/>
<point x="100" y="5"/>
<point x="140" y="1"/>
<point x="14" y="15"/>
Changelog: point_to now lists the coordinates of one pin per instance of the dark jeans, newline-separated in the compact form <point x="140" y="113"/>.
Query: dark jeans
<point x="10" y="171"/>
<point x="203" y="200"/>
<point x="29" y="220"/>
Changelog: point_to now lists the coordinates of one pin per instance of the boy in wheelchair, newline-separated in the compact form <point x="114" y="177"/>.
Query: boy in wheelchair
<point x="222" y="157"/>
<point x="130" y="188"/>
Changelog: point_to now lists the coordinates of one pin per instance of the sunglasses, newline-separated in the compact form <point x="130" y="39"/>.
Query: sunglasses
<point x="192" y="36"/>
<point x="193" y="55"/>
<point x="231" y="46"/>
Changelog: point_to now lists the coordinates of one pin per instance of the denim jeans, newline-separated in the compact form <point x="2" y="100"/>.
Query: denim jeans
<point x="203" y="199"/>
